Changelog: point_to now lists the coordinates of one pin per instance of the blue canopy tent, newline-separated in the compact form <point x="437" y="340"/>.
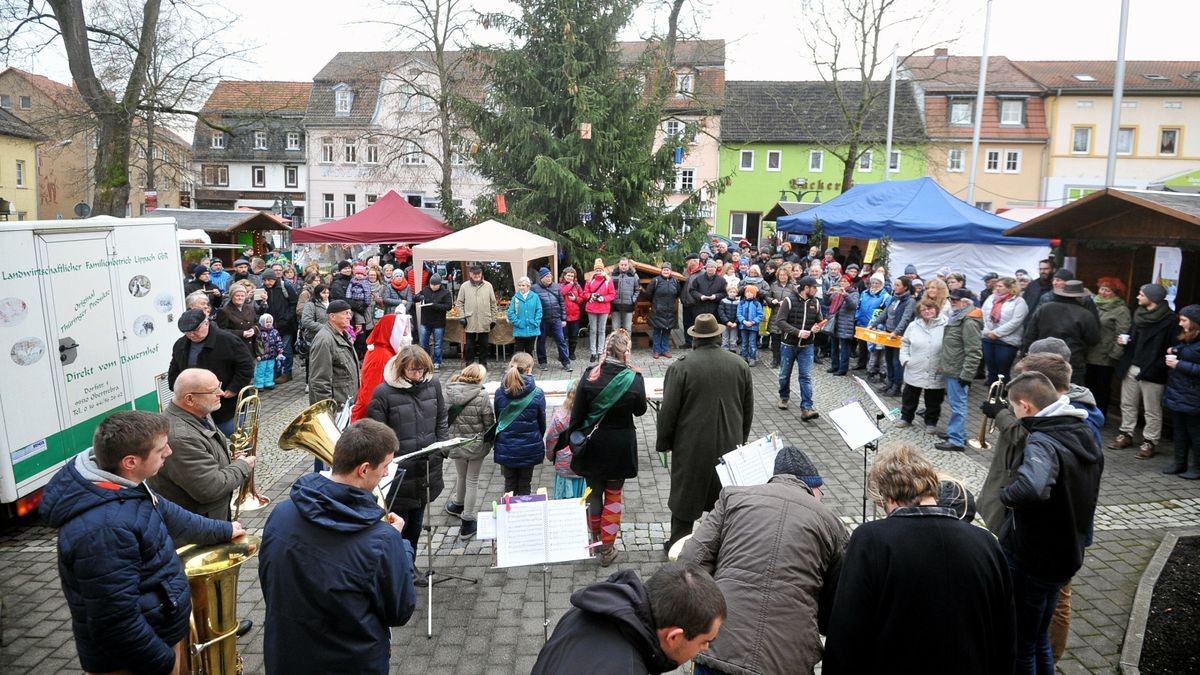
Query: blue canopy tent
<point x="927" y="227"/>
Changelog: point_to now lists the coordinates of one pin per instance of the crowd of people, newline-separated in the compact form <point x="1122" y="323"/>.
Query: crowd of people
<point x="766" y="572"/>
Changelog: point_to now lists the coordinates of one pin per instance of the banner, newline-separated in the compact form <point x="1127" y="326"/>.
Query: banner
<point x="1167" y="261"/>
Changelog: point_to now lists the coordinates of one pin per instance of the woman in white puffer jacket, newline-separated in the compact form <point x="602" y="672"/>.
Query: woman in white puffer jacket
<point x="921" y="355"/>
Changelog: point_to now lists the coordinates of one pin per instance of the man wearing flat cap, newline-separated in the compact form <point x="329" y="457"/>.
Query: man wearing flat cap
<point x="707" y="408"/>
<point x="222" y="353"/>
<point x="332" y="361"/>
<point x="775" y="552"/>
<point x="1065" y="317"/>
<point x="477" y="311"/>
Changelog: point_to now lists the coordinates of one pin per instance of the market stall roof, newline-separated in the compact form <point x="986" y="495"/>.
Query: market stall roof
<point x="489" y="241"/>
<point x="219" y="220"/>
<point x="390" y="220"/>
<point x="1132" y="217"/>
<point x="918" y="211"/>
<point x="782" y="209"/>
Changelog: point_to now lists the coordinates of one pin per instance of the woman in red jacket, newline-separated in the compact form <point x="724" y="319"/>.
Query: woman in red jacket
<point x="573" y="299"/>
<point x="382" y="345"/>
<point x="600" y="292"/>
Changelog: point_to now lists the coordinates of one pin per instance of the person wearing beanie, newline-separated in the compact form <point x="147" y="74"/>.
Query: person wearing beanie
<point x="955" y="577"/>
<point x="910" y="271"/>
<point x="1182" y="395"/>
<point x="775" y="551"/>
<point x="1143" y="369"/>
<point x="341" y="280"/>
<point x="629" y="288"/>
<point x="202" y="281"/>
<point x="204" y="345"/>
<point x="1065" y="317"/>
<point x="600" y="293"/>
<point x="554" y="319"/>
<point x="434" y="301"/>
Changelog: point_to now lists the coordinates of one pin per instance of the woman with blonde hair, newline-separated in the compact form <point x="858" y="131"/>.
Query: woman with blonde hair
<point x="520" y="409"/>
<point x="610" y="395"/>
<point x="1004" y="314"/>
<point x="470" y="416"/>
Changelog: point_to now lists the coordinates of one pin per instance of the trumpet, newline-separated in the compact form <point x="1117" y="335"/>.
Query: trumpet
<point x="245" y="440"/>
<point x="997" y="393"/>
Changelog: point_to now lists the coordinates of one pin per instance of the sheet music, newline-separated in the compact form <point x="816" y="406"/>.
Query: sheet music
<point x="750" y="464"/>
<point x="889" y="413"/>
<point x="566" y="523"/>
<point x="532" y="533"/>
<point x="854" y="426"/>
<point x="485" y="524"/>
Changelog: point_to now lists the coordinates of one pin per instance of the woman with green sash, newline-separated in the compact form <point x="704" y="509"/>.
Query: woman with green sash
<point x="610" y="394"/>
<point x="520" y="408"/>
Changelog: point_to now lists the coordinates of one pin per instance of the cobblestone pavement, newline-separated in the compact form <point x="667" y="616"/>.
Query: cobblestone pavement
<point x="496" y="624"/>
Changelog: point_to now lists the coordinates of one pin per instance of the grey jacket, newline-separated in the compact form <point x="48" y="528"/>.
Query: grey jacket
<point x="775" y="552"/>
<point x="474" y="418"/>
<point x="921" y="353"/>
<point x="332" y="367"/>
<point x="628" y="289"/>
<point x="312" y="317"/>
<point x="198" y="475"/>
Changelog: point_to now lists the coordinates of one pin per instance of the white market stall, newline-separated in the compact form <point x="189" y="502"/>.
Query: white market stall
<point x="489" y="241"/>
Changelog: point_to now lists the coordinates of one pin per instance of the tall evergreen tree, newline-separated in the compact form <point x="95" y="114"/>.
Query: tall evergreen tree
<point x="561" y="76"/>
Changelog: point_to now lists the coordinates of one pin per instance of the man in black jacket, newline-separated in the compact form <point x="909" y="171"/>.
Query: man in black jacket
<point x="341" y="280"/>
<point x="553" y="319"/>
<point x="433" y="302"/>
<point x="1068" y="320"/>
<point x="706" y="290"/>
<point x="1036" y="288"/>
<point x="1143" y="369"/>
<point x="281" y="304"/>
<point x="797" y="316"/>
<point x="218" y="351"/>
<point x="624" y="626"/>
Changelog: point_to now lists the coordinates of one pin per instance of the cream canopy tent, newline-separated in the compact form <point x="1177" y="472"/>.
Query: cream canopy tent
<point x="488" y="241"/>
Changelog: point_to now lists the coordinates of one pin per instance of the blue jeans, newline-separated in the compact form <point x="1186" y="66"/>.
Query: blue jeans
<point x="895" y="370"/>
<point x="749" y="343"/>
<point x="660" y="342"/>
<point x="554" y="328"/>
<point x="701" y="670"/>
<point x="227" y="426"/>
<point x="284" y="367"/>
<point x="1035" y="600"/>
<point x="842" y="349"/>
<point x="998" y="357"/>
<point x="802" y="357"/>
<point x="427" y="334"/>
<point x="956" y="393"/>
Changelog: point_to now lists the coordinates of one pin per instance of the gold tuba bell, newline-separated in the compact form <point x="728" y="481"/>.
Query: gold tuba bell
<point x="245" y="440"/>
<point x="996" y="394"/>
<point x="315" y="431"/>
<point x="212" y="573"/>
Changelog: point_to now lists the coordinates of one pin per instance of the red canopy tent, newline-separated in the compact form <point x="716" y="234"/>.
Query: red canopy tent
<point x="391" y="219"/>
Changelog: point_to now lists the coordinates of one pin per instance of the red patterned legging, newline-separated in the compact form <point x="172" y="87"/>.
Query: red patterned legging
<point x="604" y="509"/>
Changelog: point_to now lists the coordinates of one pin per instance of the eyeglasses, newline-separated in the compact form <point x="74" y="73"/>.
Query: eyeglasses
<point x="417" y="370"/>
<point x="206" y="392"/>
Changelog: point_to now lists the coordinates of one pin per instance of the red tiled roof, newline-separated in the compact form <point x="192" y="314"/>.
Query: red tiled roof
<point x="961" y="73"/>
<point x="937" y="121"/>
<point x="259" y="96"/>
<point x="62" y="94"/>
<point x="687" y="52"/>
<point x="1182" y="76"/>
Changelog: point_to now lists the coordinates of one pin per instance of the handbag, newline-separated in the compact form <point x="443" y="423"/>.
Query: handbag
<point x="612" y="392"/>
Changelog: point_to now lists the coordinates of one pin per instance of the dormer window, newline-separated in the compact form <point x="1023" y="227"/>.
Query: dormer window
<point x="1156" y="77"/>
<point x="1084" y="77"/>
<point x="961" y="112"/>
<point x="218" y="140"/>
<point x="343" y="99"/>
<point x="685" y="83"/>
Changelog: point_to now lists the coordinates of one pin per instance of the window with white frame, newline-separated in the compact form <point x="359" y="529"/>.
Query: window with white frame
<point x="372" y="153"/>
<point x="774" y="160"/>
<point x="894" y="161"/>
<point x="343" y="99"/>
<point x="350" y="151"/>
<point x="1125" y="141"/>
<point x="351" y="204"/>
<point x="432" y="203"/>
<point x="462" y="152"/>
<point x="672" y="128"/>
<point x="20" y="173"/>
<point x="746" y="160"/>
<point x="991" y="162"/>
<point x="983" y="206"/>
<point x="1012" y="112"/>
<point x="293" y="140"/>
<point x="954" y="160"/>
<point x="1081" y="140"/>
<point x="215" y="174"/>
<point x="1173" y="105"/>
<point x="415" y="199"/>
<point x="865" y="161"/>
<point x="6" y="101"/>
<point x="218" y="140"/>
<point x="291" y="176"/>
<point x="413" y="154"/>
<point x="25" y="102"/>
<point x="1012" y="161"/>
<point x="816" y="160"/>
<point x="1168" y="141"/>
<point x="685" y="180"/>
<point x="737" y="226"/>
<point x="258" y="176"/>
<point x="424" y="103"/>
<point x="327" y="150"/>
<point x="260" y="140"/>
<point x="685" y="82"/>
<point x="372" y="198"/>
<point x="327" y="199"/>
<point x="141" y="180"/>
<point x="960" y="112"/>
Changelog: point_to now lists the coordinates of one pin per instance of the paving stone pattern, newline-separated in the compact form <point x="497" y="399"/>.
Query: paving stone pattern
<point x="496" y="625"/>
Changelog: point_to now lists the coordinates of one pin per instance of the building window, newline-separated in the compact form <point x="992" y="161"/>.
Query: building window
<point x="372" y="153"/>
<point x="737" y="226"/>
<point x="816" y="160"/>
<point x="6" y="101"/>
<point x="327" y="150"/>
<point x="1012" y="112"/>
<point x="983" y="206"/>
<point x="1129" y="104"/>
<point x="960" y="112"/>
<point x="1079" y="193"/>
<point x="343" y="100"/>
<point x="327" y="198"/>
<point x="894" y="161"/>
<point x="1168" y="142"/>
<point x="291" y="176"/>
<point x="141" y="182"/>
<point x="1173" y="105"/>
<point x="293" y="140"/>
<point x="1125" y="141"/>
<point x="413" y="154"/>
<point x="1012" y="161"/>
<point x="260" y="140"/>
<point x="20" y="173"/>
<point x="685" y="180"/>
<point x="351" y="205"/>
<point x="746" y="160"/>
<point x="218" y="140"/>
<point x="462" y="152"/>
<point x="954" y="161"/>
<point x="26" y="103"/>
<point x="371" y="199"/>
<point x="258" y="176"/>
<point x="424" y="103"/>
<point x="685" y="83"/>
<point x="432" y="204"/>
<point x="673" y="128"/>
<point x="1081" y="140"/>
<point x="216" y="175"/>
<point x="865" y="160"/>
<point x="992" y="162"/>
<point x="350" y="152"/>
<point x="774" y="160"/>
<point x="415" y="200"/>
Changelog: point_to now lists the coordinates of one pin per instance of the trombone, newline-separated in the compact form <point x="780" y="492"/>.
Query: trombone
<point x="997" y="393"/>
<point x="245" y="441"/>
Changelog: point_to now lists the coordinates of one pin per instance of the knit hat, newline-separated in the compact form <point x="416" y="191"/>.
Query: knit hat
<point x="199" y="269"/>
<point x="598" y="265"/>
<point x="341" y="266"/>
<point x="191" y="320"/>
<point x="851" y="266"/>
<point x="336" y="306"/>
<point x="961" y="294"/>
<point x="1191" y="313"/>
<point x="360" y="269"/>
<point x="910" y="269"/>
<point x="1064" y="274"/>
<point x="240" y="261"/>
<point x="1051" y="345"/>
<point x="828" y="251"/>
<point x="435" y="280"/>
<point x="878" y="277"/>
<point x="269" y="274"/>
<point x="990" y="275"/>
<point x="543" y="272"/>
<point x="792" y="460"/>
<point x="1154" y="293"/>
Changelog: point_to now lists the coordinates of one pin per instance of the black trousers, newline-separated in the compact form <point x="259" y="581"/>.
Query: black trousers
<point x="517" y="481"/>
<point x="476" y="348"/>
<point x="909" y="397"/>
<point x="527" y="345"/>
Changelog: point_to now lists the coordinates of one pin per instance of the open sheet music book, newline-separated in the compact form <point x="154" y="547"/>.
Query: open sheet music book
<point x="533" y="533"/>
<point x="750" y="464"/>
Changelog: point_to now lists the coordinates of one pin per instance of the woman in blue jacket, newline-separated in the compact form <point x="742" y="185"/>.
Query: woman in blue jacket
<point x="1182" y="395"/>
<point x="525" y="315"/>
<point x="519" y="446"/>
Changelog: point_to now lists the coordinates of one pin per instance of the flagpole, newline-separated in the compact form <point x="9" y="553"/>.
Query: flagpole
<point x="887" y="158"/>
<point x="1110" y="170"/>
<point x="978" y="122"/>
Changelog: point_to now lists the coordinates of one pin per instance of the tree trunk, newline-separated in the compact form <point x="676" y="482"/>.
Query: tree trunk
<point x="851" y="162"/>
<point x="112" y="165"/>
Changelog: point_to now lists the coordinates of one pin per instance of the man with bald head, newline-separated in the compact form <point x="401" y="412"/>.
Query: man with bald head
<point x="199" y="475"/>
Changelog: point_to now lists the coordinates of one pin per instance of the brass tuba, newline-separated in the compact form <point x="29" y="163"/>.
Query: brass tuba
<point x="996" y="394"/>
<point x="212" y="573"/>
<point x="245" y="440"/>
<point x="315" y="431"/>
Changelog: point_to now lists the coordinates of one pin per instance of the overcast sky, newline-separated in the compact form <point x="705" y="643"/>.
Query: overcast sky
<point x="296" y="38"/>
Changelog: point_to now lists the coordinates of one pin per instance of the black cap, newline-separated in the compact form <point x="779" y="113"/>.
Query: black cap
<point x="806" y="280"/>
<point x="336" y="306"/>
<point x="990" y="275"/>
<point x="792" y="460"/>
<point x="962" y="294"/>
<point x="475" y="267"/>
<point x="1065" y="275"/>
<point x="191" y="320"/>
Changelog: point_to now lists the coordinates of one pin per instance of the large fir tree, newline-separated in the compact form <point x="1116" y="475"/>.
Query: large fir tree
<point x="562" y="72"/>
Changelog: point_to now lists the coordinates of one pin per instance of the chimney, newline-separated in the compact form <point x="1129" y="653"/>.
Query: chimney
<point x="941" y="53"/>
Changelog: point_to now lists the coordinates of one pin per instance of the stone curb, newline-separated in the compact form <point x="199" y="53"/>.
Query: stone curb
<point x="1135" y="632"/>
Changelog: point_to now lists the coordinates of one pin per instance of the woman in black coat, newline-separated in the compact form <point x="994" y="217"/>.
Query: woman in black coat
<point x="663" y="292"/>
<point x="410" y="401"/>
<point x="612" y="453"/>
<point x="1182" y="395"/>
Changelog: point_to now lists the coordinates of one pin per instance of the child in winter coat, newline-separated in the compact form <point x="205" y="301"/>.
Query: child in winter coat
<point x="750" y="315"/>
<point x="525" y="315"/>
<point x="727" y="314"/>
<point x="519" y="446"/>
<point x="264" y="370"/>
<point x="358" y="294"/>
<point x="470" y="415"/>
<point x="567" y="485"/>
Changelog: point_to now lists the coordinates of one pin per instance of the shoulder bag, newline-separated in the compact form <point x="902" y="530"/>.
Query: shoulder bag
<point x="612" y="392"/>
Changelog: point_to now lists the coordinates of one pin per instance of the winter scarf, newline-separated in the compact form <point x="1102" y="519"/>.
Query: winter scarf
<point x="997" y="305"/>
<point x="1145" y="317"/>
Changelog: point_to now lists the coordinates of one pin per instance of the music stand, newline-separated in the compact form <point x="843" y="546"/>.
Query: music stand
<point x="857" y="431"/>
<point x="431" y="577"/>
